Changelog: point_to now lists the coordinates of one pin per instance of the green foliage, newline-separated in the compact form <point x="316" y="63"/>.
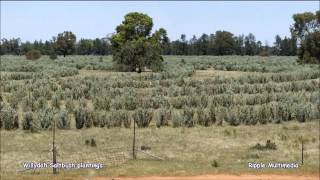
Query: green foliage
<point x="118" y="118"/>
<point x="188" y="117"/>
<point x="289" y="91"/>
<point x="202" y="117"/>
<point x="133" y="47"/>
<point x="125" y="120"/>
<point x="70" y="106"/>
<point x="13" y="101"/>
<point x="62" y="120"/>
<point x="158" y="101"/>
<point x="89" y="118"/>
<point x="102" y="103"/>
<point x="41" y="103"/>
<point x="177" y="119"/>
<point x="27" y="121"/>
<point x="80" y="117"/>
<point x="44" y="118"/>
<point x="33" y="55"/>
<point x="116" y="103"/>
<point x="224" y="43"/>
<point x="178" y="102"/>
<point x="162" y="117"/>
<point x="55" y="101"/>
<point x="214" y="164"/>
<point x="302" y="113"/>
<point x="306" y="29"/>
<point x="53" y="56"/>
<point x="28" y="103"/>
<point x="309" y="51"/>
<point x="142" y="117"/>
<point x="9" y="118"/>
<point x="65" y="43"/>
<point x="129" y="102"/>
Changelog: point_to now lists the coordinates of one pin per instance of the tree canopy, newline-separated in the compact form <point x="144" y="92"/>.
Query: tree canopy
<point x="65" y="43"/>
<point x="133" y="46"/>
<point x="306" y="29"/>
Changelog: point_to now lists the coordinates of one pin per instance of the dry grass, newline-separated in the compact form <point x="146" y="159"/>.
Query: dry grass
<point x="227" y="74"/>
<point x="97" y="73"/>
<point x="187" y="151"/>
<point x="104" y="73"/>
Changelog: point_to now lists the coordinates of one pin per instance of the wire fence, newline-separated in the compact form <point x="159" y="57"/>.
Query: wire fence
<point x="108" y="157"/>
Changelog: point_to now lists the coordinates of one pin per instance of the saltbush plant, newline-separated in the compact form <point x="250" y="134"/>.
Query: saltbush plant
<point x="55" y="101"/>
<point x="142" y="117"/>
<point x="118" y="118"/>
<point x="53" y="56"/>
<point x="177" y="119"/>
<point x="80" y="117"/>
<point x="27" y="120"/>
<point x="62" y="120"/>
<point x="102" y="103"/>
<point x="162" y="117"/>
<point x="33" y="54"/>
<point x="9" y="118"/>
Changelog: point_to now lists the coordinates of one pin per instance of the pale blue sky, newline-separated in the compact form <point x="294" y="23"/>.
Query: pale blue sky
<point x="42" y="20"/>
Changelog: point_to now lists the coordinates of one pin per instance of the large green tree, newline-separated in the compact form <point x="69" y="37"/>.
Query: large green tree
<point x="250" y="45"/>
<point x="65" y="43"/>
<point x="133" y="45"/>
<point x="306" y="30"/>
<point x="224" y="43"/>
<point x="84" y="47"/>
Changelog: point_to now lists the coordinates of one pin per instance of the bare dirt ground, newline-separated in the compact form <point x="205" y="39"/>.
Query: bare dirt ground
<point x="219" y="177"/>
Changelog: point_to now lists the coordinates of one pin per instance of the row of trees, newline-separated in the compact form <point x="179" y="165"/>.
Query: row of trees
<point x="218" y="43"/>
<point x="59" y="45"/>
<point x="134" y="46"/>
<point x="225" y="43"/>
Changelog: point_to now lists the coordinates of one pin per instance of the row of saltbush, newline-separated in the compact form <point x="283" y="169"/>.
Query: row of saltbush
<point x="227" y="100"/>
<point x="54" y="72"/>
<point x="8" y="117"/>
<point x="38" y="120"/>
<point x="130" y="83"/>
<point x="79" y="90"/>
<point x="245" y="63"/>
<point x="17" y="76"/>
<point x="248" y="115"/>
<point x="211" y="89"/>
<point x="87" y="118"/>
<point x="90" y="91"/>
<point x="129" y="101"/>
<point x="43" y="119"/>
<point x="188" y="117"/>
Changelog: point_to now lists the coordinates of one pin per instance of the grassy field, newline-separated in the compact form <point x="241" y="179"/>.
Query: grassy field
<point x="186" y="151"/>
<point x="202" y="115"/>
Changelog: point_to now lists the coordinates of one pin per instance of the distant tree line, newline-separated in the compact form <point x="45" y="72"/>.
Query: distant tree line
<point x="218" y="43"/>
<point x="98" y="46"/>
<point x="225" y="43"/>
<point x="133" y="43"/>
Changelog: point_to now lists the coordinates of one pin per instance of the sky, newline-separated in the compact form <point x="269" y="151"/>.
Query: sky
<point x="34" y="20"/>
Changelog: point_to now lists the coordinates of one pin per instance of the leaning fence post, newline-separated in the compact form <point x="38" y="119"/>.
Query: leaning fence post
<point x="54" y="153"/>
<point x="302" y="151"/>
<point x="134" y="140"/>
